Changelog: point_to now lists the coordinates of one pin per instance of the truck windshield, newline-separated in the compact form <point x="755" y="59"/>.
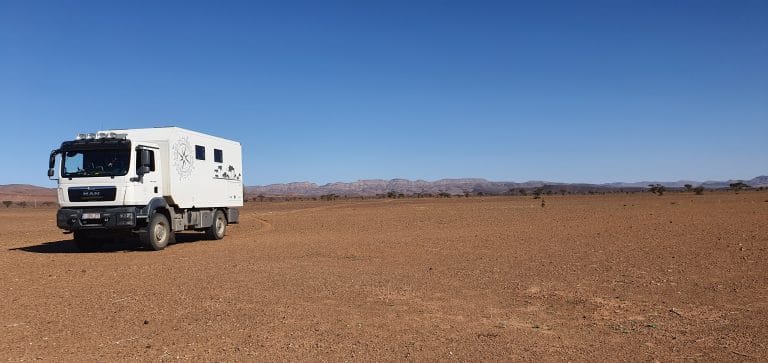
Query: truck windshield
<point x="89" y="163"/>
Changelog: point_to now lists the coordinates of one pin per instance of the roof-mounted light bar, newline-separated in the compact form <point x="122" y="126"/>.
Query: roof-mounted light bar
<point x="101" y="135"/>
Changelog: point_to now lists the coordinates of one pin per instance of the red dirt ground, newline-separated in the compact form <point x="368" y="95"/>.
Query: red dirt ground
<point x="616" y="277"/>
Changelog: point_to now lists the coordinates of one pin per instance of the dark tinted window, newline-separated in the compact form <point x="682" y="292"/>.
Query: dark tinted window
<point x="101" y="162"/>
<point x="199" y="152"/>
<point x="218" y="156"/>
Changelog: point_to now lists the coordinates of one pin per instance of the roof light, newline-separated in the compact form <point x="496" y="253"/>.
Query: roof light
<point x="101" y="135"/>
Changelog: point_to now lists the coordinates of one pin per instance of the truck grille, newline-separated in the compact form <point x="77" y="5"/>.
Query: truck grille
<point x="92" y="194"/>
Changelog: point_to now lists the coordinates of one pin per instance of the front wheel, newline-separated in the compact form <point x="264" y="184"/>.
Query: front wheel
<point x="158" y="233"/>
<point x="219" y="226"/>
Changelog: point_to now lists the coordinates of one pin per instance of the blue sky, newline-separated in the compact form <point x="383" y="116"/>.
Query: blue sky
<point x="323" y="91"/>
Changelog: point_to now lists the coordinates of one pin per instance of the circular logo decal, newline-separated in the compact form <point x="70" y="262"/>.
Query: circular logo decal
<point x="183" y="158"/>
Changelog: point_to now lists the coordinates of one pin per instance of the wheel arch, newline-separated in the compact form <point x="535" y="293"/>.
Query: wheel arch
<point x="159" y="205"/>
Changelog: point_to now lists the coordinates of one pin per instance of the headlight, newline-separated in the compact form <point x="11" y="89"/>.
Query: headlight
<point x="125" y="218"/>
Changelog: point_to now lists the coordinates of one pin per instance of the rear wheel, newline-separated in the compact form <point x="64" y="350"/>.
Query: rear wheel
<point x="87" y="242"/>
<point x="158" y="233"/>
<point x="219" y="226"/>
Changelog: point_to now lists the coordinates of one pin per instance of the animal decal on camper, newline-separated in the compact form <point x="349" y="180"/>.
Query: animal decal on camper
<point x="229" y="174"/>
<point x="183" y="158"/>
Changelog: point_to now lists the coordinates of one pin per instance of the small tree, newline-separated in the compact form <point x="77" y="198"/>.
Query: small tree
<point x="657" y="189"/>
<point x="7" y="203"/>
<point x="522" y="192"/>
<point x="688" y="187"/>
<point x="537" y="193"/>
<point x="738" y="186"/>
<point x="699" y="190"/>
<point x="22" y="204"/>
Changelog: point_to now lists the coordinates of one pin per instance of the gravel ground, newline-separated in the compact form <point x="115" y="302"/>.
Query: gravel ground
<point x="614" y="277"/>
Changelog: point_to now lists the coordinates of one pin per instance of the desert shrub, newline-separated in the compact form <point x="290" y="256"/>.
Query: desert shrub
<point x="329" y="197"/>
<point x="657" y="189"/>
<point x="699" y="190"/>
<point x="688" y="187"/>
<point x="22" y="204"/>
<point x="738" y="186"/>
<point x="7" y="203"/>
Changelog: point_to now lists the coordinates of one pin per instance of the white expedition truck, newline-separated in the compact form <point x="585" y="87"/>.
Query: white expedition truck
<point x="149" y="182"/>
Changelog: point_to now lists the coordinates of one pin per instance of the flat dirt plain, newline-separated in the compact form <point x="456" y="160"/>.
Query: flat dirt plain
<point x="584" y="278"/>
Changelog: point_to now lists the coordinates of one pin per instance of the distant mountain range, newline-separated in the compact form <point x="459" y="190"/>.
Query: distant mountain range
<point x="26" y="193"/>
<point x="760" y="181"/>
<point x="372" y="187"/>
<point x="460" y="186"/>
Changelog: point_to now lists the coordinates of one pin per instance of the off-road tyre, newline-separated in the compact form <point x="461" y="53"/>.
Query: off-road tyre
<point x="158" y="233"/>
<point x="218" y="228"/>
<point x="87" y="242"/>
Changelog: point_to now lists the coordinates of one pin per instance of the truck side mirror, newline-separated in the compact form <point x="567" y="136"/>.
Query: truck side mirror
<point x="52" y="163"/>
<point x="144" y="162"/>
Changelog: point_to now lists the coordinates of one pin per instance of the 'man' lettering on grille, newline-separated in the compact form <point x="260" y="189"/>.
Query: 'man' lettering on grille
<point x="92" y="194"/>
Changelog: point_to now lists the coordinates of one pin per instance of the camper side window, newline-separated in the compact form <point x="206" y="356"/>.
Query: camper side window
<point x="199" y="152"/>
<point x="218" y="156"/>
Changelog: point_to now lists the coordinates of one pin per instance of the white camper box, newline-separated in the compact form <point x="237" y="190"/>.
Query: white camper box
<point x="213" y="179"/>
<point x="148" y="182"/>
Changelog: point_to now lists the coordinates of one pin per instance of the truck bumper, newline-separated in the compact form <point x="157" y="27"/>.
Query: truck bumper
<point x="73" y="219"/>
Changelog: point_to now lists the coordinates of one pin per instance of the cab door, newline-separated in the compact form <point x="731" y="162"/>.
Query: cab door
<point x="151" y="183"/>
